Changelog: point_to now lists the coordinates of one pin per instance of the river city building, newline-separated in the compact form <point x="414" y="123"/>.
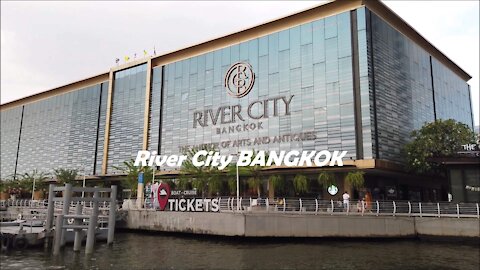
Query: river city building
<point x="344" y="76"/>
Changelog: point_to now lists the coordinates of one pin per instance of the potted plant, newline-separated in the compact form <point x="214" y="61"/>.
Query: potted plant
<point x="4" y="188"/>
<point x="355" y="179"/>
<point x="34" y="182"/>
<point x="300" y="183"/>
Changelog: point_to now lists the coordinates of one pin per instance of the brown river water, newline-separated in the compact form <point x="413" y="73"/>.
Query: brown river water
<point x="160" y="251"/>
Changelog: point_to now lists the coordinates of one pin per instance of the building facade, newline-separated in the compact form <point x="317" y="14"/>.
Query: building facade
<point x="348" y="76"/>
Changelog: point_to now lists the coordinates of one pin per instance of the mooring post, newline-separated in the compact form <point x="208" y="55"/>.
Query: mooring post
<point x="67" y="198"/>
<point x="57" y="241"/>
<point x="111" y="215"/>
<point x="50" y="212"/>
<point x="92" y="224"/>
<point x="77" y="244"/>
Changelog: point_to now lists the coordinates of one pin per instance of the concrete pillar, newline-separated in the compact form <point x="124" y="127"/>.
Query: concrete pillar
<point x="140" y="191"/>
<point x="111" y="215"/>
<point x="58" y="235"/>
<point x="67" y="198"/>
<point x="77" y="244"/>
<point x="50" y="212"/>
<point x="92" y="224"/>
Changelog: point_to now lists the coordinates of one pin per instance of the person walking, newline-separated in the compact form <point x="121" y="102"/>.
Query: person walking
<point x="346" y="201"/>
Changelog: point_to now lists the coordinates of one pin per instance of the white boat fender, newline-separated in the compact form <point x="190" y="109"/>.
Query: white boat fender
<point x="70" y="221"/>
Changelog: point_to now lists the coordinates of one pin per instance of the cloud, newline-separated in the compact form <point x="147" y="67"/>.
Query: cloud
<point x="49" y="44"/>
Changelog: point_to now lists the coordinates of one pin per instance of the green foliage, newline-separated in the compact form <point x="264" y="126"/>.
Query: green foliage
<point x="355" y="179"/>
<point x="277" y="182"/>
<point x="232" y="185"/>
<point x="183" y="182"/>
<point x="65" y="176"/>
<point x="254" y="174"/>
<point x="326" y="179"/>
<point x="441" y="138"/>
<point x="27" y="179"/>
<point x="215" y="185"/>
<point x="300" y="183"/>
<point x="5" y="185"/>
<point x="203" y="178"/>
<point x="255" y="184"/>
<point x="132" y="172"/>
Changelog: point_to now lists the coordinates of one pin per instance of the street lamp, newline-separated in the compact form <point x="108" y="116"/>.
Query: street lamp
<point x="33" y="188"/>
<point x="83" y="192"/>
<point x="238" y="181"/>
<point x="238" y="187"/>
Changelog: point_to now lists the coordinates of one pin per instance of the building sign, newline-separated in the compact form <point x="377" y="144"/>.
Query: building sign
<point x="470" y="150"/>
<point x="185" y="204"/>
<point x="239" y="79"/>
<point x="256" y="110"/>
<point x="332" y="190"/>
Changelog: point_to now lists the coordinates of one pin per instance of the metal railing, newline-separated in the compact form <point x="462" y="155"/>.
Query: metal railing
<point x="305" y="206"/>
<point x="331" y="207"/>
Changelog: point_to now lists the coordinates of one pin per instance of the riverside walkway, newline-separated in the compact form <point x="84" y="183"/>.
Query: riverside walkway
<point x="297" y="217"/>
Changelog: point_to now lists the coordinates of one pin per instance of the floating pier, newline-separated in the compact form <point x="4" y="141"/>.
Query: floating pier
<point x="73" y="217"/>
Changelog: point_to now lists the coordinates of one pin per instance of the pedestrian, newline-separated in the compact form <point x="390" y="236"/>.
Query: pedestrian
<point x="359" y="206"/>
<point x="368" y="201"/>
<point x="346" y="201"/>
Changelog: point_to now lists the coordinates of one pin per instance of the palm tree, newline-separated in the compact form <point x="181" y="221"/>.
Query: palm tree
<point x="33" y="181"/>
<point x="65" y="176"/>
<point x="132" y="172"/>
<point x="326" y="179"/>
<point x="300" y="183"/>
<point x="254" y="174"/>
<point x="277" y="183"/>
<point x="355" y="179"/>
<point x="203" y="178"/>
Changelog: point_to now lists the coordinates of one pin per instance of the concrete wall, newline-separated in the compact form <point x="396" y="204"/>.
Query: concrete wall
<point x="456" y="227"/>
<point x="291" y="225"/>
<point x="228" y="224"/>
<point x="327" y="226"/>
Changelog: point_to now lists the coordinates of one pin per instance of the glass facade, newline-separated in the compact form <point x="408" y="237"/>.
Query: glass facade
<point x="452" y="95"/>
<point x="155" y="110"/>
<point x="311" y="62"/>
<point x="402" y="84"/>
<point x="304" y="98"/>
<point x="126" y="123"/>
<point x="58" y="132"/>
<point x="10" y="132"/>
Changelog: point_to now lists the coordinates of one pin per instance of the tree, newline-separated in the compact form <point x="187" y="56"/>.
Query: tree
<point x="355" y="179"/>
<point x="277" y="182"/>
<point x="441" y="138"/>
<point x="203" y="178"/>
<point x="132" y="172"/>
<point x="254" y="174"/>
<point x="65" y="176"/>
<point x="326" y="179"/>
<point x="27" y="180"/>
<point x="300" y="183"/>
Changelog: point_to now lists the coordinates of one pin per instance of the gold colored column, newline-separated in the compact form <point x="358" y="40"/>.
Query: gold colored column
<point x="147" y="105"/>
<point x="107" y="123"/>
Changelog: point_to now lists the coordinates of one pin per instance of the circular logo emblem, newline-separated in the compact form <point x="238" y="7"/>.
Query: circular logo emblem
<point x="332" y="190"/>
<point x="239" y="79"/>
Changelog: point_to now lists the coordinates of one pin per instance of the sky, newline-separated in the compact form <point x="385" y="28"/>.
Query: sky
<point x="49" y="44"/>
